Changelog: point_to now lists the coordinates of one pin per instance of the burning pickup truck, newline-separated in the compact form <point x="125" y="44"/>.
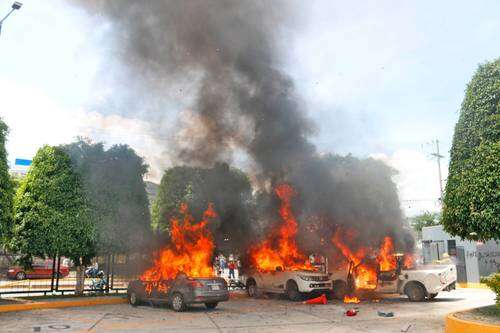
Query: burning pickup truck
<point x="418" y="283"/>
<point x="180" y="292"/>
<point x="291" y="283"/>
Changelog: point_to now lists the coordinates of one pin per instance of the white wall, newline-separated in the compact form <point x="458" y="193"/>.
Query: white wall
<point x="436" y="233"/>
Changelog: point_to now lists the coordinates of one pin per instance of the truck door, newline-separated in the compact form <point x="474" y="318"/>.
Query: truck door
<point x="387" y="282"/>
<point x="271" y="280"/>
<point x="278" y="280"/>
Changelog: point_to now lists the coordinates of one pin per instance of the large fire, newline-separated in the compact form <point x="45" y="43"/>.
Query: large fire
<point x="365" y="276"/>
<point x="280" y="248"/>
<point x="190" y="251"/>
<point x="386" y="258"/>
<point x="363" y="267"/>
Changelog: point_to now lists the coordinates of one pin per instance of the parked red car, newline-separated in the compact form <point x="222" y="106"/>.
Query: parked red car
<point x="40" y="270"/>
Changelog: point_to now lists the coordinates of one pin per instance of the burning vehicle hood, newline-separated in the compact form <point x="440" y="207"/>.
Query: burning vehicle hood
<point x="310" y="273"/>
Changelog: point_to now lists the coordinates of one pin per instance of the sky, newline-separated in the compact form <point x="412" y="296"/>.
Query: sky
<point x="381" y="79"/>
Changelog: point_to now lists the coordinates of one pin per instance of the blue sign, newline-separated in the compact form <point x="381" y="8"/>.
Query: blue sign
<point x="23" y="162"/>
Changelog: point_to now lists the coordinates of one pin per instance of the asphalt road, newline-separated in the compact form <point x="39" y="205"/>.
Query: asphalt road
<point x="252" y="315"/>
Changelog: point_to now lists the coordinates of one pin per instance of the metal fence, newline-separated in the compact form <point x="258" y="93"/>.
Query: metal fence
<point x="51" y="276"/>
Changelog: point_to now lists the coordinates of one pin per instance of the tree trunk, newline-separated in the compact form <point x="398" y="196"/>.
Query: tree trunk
<point x="80" y="279"/>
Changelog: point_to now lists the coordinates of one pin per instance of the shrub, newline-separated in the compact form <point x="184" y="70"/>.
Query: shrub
<point x="493" y="282"/>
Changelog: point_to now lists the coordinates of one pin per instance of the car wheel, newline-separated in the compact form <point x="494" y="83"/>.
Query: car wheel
<point x="133" y="299"/>
<point x="432" y="296"/>
<point x="20" y="276"/>
<point x="339" y="289"/>
<point x="211" y="305"/>
<point x="415" y="292"/>
<point x="178" y="303"/>
<point x="252" y="289"/>
<point x="292" y="291"/>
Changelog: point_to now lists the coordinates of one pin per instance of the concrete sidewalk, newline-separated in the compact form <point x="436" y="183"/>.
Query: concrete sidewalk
<point x="51" y="302"/>
<point x="26" y="304"/>
<point x="254" y="315"/>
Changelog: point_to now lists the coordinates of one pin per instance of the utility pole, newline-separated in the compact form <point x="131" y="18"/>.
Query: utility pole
<point x="15" y="6"/>
<point x="438" y="158"/>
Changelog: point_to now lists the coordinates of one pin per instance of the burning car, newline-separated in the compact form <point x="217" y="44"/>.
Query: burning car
<point x="180" y="292"/>
<point x="384" y="271"/>
<point x="277" y="264"/>
<point x="291" y="283"/>
<point x="182" y="273"/>
<point x="418" y="283"/>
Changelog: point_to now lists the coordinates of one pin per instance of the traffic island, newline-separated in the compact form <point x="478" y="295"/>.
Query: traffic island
<point x="33" y="304"/>
<point x="484" y="319"/>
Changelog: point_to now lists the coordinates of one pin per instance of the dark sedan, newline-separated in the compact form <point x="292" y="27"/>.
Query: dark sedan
<point x="181" y="292"/>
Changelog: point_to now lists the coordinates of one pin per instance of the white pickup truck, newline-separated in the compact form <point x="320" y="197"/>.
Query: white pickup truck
<point x="419" y="283"/>
<point x="291" y="283"/>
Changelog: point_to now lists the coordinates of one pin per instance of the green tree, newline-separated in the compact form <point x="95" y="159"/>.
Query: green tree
<point x="113" y="182"/>
<point x="227" y="188"/>
<point x="426" y="219"/>
<point x="472" y="199"/>
<point x="6" y="187"/>
<point x="51" y="215"/>
<point x="16" y="182"/>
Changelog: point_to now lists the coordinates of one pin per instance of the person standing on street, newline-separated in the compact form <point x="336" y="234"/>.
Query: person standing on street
<point x="231" y="267"/>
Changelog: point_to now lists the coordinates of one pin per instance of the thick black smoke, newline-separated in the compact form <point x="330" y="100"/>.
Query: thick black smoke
<point x="243" y="101"/>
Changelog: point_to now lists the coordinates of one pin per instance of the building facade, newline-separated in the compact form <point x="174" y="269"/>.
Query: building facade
<point x="473" y="259"/>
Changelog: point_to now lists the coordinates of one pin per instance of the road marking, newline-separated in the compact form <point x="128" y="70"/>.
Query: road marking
<point x="213" y="322"/>
<point x="97" y="322"/>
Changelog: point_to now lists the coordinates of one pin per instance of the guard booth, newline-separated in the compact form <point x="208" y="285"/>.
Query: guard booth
<point x="473" y="259"/>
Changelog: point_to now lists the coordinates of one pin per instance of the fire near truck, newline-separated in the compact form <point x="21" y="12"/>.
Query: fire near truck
<point x="419" y="283"/>
<point x="292" y="283"/>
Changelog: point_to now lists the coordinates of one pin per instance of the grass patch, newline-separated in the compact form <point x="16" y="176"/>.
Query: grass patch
<point x="486" y="315"/>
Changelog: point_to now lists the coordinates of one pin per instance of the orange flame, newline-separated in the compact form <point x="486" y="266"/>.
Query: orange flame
<point x="386" y="257"/>
<point x="408" y="261"/>
<point x="365" y="276"/>
<point x="190" y="251"/>
<point x="280" y="248"/>
<point x="365" y="269"/>
<point x="351" y="299"/>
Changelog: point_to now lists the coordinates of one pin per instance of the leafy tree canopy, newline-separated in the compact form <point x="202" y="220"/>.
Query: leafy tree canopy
<point x="113" y="183"/>
<point x="472" y="198"/>
<point x="51" y="212"/>
<point x="426" y="219"/>
<point x="227" y="188"/>
<point x="6" y="187"/>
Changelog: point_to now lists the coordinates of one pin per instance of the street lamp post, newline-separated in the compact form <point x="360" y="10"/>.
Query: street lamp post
<point x="15" y="6"/>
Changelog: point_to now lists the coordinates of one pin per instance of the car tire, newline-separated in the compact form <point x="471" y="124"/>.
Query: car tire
<point x="415" y="292"/>
<point x="292" y="291"/>
<point x="432" y="296"/>
<point x="133" y="299"/>
<point x="252" y="289"/>
<point x="20" y="276"/>
<point x="212" y="305"/>
<point x="340" y="289"/>
<point x="178" y="303"/>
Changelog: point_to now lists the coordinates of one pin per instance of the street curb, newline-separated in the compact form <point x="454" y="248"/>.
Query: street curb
<point x="473" y="285"/>
<point x="455" y="325"/>
<point x="61" y="304"/>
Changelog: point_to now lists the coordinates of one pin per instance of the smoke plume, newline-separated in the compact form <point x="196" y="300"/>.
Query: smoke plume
<point x="227" y="56"/>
